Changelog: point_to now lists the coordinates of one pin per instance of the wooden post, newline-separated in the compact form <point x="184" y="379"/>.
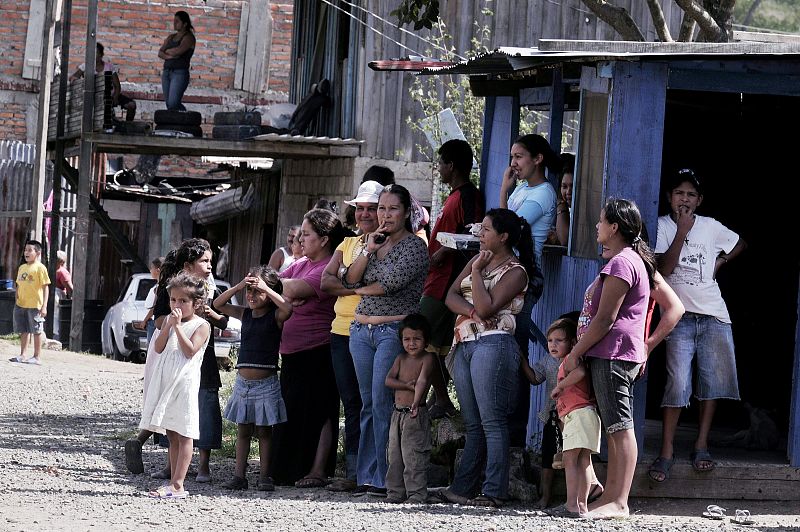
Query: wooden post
<point x="84" y="184"/>
<point x="45" y="78"/>
<point x="55" y="223"/>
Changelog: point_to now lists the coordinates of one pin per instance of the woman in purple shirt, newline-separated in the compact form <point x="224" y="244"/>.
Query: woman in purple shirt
<point x="611" y="336"/>
<point x="304" y="448"/>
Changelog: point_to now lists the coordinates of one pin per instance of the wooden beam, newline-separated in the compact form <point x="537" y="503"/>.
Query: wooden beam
<point x="669" y="48"/>
<point x="43" y="115"/>
<point x="288" y="148"/>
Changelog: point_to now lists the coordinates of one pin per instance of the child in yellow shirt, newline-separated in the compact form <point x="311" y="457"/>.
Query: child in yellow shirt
<point x="30" y="309"/>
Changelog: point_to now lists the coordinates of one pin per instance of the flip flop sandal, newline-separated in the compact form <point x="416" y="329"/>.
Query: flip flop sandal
<point x="561" y="511"/>
<point x="166" y="492"/>
<point x="714" y="512"/>
<point x="595" y="493"/>
<point x="701" y="455"/>
<point x="310" y="482"/>
<point x="743" y="518"/>
<point x="485" y="501"/>
<point x="660" y="465"/>
<point x="448" y="497"/>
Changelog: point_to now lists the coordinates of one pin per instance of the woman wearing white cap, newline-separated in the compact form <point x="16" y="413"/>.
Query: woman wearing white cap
<point x="366" y="217"/>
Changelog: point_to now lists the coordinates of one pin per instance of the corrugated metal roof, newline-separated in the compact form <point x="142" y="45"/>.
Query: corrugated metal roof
<point x="507" y="60"/>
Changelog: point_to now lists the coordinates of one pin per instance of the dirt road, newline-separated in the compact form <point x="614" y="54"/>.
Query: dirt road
<point x="62" y="426"/>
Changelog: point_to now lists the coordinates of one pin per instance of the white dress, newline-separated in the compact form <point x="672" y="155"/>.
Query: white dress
<point x="171" y="399"/>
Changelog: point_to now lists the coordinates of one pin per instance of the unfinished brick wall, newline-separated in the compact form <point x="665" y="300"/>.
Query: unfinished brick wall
<point x="133" y="32"/>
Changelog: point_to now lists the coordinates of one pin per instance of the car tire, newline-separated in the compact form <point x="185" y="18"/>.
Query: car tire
<point x="138" y="357"/>
<point x="116" y="354"/>
<point x="186" y="118"/>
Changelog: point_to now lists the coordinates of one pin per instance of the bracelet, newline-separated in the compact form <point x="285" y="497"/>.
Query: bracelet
<point x="723" y="257"/>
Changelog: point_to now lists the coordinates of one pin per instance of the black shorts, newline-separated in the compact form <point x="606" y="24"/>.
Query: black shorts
<point x="550" y="443"/>
<point x="123" y="100"/>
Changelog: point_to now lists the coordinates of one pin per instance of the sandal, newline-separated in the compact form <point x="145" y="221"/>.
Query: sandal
<point x="236" y="483"/>
<point x="594" y="494"/>
<point x="699" y="456"/>
<point x="166" y="492"/>
<point x="448" y="497"/>
<point x="310" y="482"/>
<point x="743" y="518"/>
<point x="265" y="485"/>
<point x="485" y="500"/>
<point x="561" y="511"/>
<point x="714" y="512"/>
<point x="661" y="466"/>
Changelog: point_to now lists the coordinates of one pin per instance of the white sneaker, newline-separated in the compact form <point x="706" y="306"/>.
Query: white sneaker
<point x="33" y="360"/>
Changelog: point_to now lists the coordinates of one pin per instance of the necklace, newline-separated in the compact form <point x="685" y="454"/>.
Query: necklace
<point x="487" y="273"/>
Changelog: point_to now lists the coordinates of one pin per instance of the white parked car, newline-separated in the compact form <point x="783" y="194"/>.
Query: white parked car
<point x="123" y="342"/>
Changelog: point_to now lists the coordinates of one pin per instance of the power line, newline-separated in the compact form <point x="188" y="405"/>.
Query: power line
<point x="371" y="28"/>
<point x="436" y="46"/>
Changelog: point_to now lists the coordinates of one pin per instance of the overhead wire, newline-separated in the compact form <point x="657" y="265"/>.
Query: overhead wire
<point x="427" y="41"/>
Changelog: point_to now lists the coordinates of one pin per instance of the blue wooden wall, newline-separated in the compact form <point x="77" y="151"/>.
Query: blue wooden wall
<point x="632" y="170"/>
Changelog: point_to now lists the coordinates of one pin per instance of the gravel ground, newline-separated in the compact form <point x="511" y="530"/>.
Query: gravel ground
<point x="62" y="426"/>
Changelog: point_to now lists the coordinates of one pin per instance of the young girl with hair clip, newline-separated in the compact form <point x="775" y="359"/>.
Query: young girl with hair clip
<point x="486" y="296"/>
<point x="171" y="406"/>
<point x="611" y="341"/>
<point x="256" y="403"/>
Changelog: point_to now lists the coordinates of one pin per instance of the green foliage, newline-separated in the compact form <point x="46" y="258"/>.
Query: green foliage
<point x="421" y="13"/>
<point x="776" y="15"/>
<point x="437" y="93"/>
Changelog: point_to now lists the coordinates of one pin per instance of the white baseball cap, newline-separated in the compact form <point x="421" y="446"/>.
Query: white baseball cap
<point x="368" y="192"/>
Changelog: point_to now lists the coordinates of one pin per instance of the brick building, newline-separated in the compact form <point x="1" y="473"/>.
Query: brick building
<point x="242" y="54"/>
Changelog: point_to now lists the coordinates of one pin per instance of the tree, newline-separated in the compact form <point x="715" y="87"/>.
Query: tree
<point x="712" y="17"/>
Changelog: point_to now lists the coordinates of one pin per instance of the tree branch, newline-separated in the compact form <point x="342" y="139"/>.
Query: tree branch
<point x="711" y="30"/>
<point x="657" y="14"/>
<point x="687" y="28"/>
<point x="616" y="17"/>
<point x="748" y="18"/>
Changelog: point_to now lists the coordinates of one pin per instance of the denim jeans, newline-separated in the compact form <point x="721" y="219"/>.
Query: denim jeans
<point x="486" y="378"/>
<point x="702" y="344"/>
<point x="173" y="84"/>
<point x="347" y="382"/>
<point x="374" y="348"/>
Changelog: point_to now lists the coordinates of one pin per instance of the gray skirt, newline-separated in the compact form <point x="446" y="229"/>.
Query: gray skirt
<point x="256" y="402"/>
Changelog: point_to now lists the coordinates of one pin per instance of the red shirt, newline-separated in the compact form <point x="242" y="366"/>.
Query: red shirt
<point x="463" y="206"/>
<point x="62" y="278"/>
<point x="573" y="397"/>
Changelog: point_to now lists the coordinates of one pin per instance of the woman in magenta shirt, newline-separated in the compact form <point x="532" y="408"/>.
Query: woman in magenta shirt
<point x="611" y="339"/>
<point x="304" y="452"/>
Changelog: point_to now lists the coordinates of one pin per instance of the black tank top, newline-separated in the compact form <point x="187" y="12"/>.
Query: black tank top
<point x="182" y="61"/>
<point x="260" y="340"/>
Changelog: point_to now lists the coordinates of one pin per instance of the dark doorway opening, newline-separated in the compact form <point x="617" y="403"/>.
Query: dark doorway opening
<point x="736" y="142"/>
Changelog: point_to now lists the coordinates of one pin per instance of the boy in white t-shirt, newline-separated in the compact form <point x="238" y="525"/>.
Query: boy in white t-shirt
<point x="691" y="249"/>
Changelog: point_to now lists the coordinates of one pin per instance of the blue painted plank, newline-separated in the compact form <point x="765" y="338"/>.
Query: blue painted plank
<point x="736" y="82"/>
<point x="633" y="157"/>
<point x="793" y="445"/>
<point x="501" y="119"/>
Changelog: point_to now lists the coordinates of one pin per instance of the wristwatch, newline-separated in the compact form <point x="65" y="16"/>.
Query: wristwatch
<point x="340" y="273"/>
<point x="365" y="252"/>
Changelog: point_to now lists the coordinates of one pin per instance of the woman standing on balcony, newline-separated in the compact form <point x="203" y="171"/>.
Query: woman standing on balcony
<point x="177" y="52"/>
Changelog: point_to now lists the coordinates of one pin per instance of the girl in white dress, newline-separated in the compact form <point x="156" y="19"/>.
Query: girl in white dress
<point x="171" y="403"/>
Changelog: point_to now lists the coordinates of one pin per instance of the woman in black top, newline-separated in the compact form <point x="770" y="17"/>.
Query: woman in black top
<point x="177" y="52"/>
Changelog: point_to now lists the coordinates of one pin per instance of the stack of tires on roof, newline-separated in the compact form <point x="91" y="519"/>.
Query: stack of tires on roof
<point x="183" y="121"/>
<point x="236" y="125"/>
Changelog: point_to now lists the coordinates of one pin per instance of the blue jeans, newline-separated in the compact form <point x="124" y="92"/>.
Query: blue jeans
<point x="347" y="383"/>
<point x="486" y="375"/>
<point x="374" y="348"/>
<point x="702" y="344"/>
<point x="173" y="84"/>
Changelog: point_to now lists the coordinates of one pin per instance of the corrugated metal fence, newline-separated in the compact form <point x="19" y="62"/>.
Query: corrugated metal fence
<point x="16" y="184"/>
